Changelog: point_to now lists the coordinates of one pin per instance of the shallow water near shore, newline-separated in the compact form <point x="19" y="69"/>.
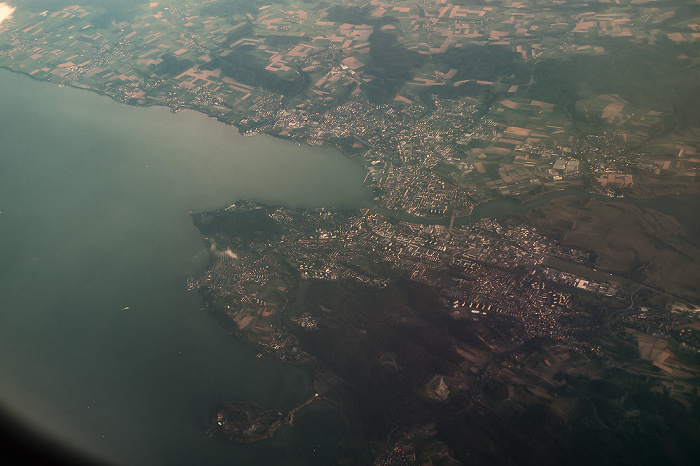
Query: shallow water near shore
<point x="94" y="218"/>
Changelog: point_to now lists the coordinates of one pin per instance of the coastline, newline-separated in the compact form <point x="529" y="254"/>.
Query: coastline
<point x="461" y="219"/>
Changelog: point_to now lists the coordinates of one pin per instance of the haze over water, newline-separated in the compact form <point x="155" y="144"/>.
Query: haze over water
<point x="95" y="199"/>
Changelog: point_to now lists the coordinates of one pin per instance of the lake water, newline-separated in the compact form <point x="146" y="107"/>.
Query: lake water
<point x="95" y="199"/>
<point x="94" y="217"/>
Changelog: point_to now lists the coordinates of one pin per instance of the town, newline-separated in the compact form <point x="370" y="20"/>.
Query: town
<point x="500" y="285"/>
<point x="448" y="134"/>
<point x="483" y="270"/>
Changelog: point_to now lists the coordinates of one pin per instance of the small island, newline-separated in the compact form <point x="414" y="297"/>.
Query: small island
<point x="243" y="422"/>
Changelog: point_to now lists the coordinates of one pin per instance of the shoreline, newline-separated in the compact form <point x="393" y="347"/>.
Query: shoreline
<point x="629" y="194"/>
